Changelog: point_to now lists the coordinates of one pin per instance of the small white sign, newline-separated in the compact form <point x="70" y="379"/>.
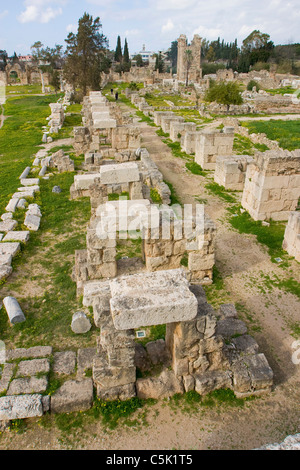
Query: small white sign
<point x="141" y="334"/>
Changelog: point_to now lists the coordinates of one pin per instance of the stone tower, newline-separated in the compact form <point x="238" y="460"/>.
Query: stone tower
<point x="195" y="72"/>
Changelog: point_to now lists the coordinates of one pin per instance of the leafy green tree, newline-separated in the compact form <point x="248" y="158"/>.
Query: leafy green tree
<point x="55" y="80"/>
<point x="172" y="55"/>
<point x="118" y="52"/>
<point x="86" y="55"/>
<point x="139" y="60"/>
<point x="224" y="93"/>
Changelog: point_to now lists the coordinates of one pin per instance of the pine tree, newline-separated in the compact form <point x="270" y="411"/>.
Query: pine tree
<point x="118" y="52"/>
<point x="86" y="55"/>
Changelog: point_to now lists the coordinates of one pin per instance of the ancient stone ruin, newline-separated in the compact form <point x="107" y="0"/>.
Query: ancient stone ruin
<point x="272" y="185"/>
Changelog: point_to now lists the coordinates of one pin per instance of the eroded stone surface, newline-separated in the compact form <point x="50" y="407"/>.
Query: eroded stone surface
<point x="151" y="299"/>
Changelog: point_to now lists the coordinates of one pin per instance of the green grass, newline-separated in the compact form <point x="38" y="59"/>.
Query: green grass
<point x="174" y="198"/>
<point x="192" y="402"/>
<point x="144" y="118"/>
<point x="19" y="139"/>
<point x="221" y="192"/>
<point x="270" y="236"/>
<point x="116" y="196"/>
<point x="132" y="248"/>
<point x="286" y="133"/>
<point x="282" y="91"/>
<point x="66" y="131"/>
<point x="176" y="149"/>
<point x="195" y="168"/>
<point x="154" y="333"/>
<point x="244" y="146"/>
<point x="155" y="196"/>
<point x="23" y="89"/>
<point x="50" y="253"/>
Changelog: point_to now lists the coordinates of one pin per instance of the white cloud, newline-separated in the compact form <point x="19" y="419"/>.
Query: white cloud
<point x="38" y="11"/>
<point x="169" y="26"/>
<point x="3" y="14"/>
<point x="175" y="4"/>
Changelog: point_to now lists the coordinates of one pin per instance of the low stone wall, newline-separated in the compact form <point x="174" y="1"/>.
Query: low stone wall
<point x="230" y="172"/>
<point x="291" y="242"/>
<point x="179" y="129"/>
<point x="170" y="245"/>
<point x="57" y="117"/>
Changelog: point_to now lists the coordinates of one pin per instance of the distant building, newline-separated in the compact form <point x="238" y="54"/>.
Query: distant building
<point x="25" y="58"/>
<point x="146" y="55"/>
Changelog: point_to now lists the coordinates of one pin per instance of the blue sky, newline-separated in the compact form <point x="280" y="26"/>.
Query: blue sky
<point x="155" y="23"/>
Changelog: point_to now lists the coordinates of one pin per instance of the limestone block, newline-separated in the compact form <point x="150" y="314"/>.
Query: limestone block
<point x="34" y="352"/>
<point x="8" y="225"/>
<point x="163" y="386"/>
<point x="64" y="362"/>
<point x="5" y="259"/>
<point x="151" y="299"/>
<point x="5" y="272"/>
<point x="108" y="377"/>
<point x="33" y="367"/>
<point x="117" y="174"/>
<point x="28" y="385"/>
<point x="73" y="395"/>
<point x="21" y="237"/>
<point x="32" y="222"/>
<point x="30" y="182"/>
<point x="212" y="380"/>
<point x="21" y="407"/>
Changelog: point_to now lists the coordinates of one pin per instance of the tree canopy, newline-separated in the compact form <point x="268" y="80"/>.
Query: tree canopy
<point x="86" y="54"/>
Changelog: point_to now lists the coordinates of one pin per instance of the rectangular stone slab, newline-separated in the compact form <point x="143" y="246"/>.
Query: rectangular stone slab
<point x="21" y="407"/>
<point x="147" y="299"/>
<point x="122" y="173"/>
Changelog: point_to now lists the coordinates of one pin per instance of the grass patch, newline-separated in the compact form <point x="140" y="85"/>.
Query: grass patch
<point x="74" y="120"/>
<point x="116" y="196"/>
<point x="286" y="133"/>
<point x="49" y="265"/>
<point x="192" y="401"/>
<point x="20" y="137"/>
<point x="221" y="192"/>
<point x="144" y="118"/>
<point x="173" y="197"/>
<point x="115" y="412"/>
<point x="155" y="196"/>
<point x="244" y="146"/>
<point x="176" y="150"/>
<point x="130" y="248"/>
<point x="154" y="333"/>
<point x="271" y="236"/>
<point x="195" y="168"/>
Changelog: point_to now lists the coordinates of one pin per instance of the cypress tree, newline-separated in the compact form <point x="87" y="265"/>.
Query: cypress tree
<point x="126" y="53"/>
<point x="118" y="52"/>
